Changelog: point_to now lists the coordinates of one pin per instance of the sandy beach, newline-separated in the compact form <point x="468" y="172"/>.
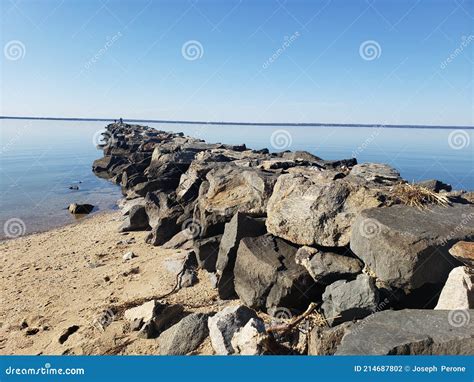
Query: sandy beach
<point x="69" y="276"/>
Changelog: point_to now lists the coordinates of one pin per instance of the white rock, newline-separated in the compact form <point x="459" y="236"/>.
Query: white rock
<point x="144" y="312"/>
<point x="249" y="340"/>
<point x="458" y="292"/>
<point x="129" y="256"/>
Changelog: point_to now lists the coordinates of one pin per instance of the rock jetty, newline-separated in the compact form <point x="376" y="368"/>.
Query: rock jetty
<point x="326" y="257"/>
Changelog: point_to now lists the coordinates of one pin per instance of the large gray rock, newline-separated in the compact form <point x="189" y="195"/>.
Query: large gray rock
<point x="230" y="189"/>
<point x="349" y="300"/>
<point x="376" y="173"/>
<point x="185" y="336"/>
<point x="267" y="276"/>
<point x="406" y="247"/>
<point x="318" y="208"/>
<point x="240" y="226"/>
<point x="326" y="266"/>
<point x="458" y="292"/>
<point x="224" y="324"/>
<point x="206" y="252"/>
<point x="136" y="220"/>
<point x="416" y="332"/>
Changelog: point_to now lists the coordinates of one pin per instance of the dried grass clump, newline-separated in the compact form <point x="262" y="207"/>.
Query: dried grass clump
<point x="418" y="196"/>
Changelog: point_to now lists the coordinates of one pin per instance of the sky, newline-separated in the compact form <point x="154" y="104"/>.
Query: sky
<point x="329" y="61"/>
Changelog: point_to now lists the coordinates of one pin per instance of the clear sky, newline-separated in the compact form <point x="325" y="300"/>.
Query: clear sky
<point x="343" y="61"/>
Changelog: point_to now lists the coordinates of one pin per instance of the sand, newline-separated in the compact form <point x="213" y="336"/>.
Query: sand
<point x="69" y="276"/>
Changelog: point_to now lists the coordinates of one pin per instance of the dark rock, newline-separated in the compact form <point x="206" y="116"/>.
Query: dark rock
<point x="348" y="300"/>
<point x="75" y="208"/>
<point x="240" y="226"/>
<point x="406" y="247"/>
<point x="182" y="240"/>
<point x="327" y="266"/>
<point x="137" y="220"/>
<point x="267" y="276"/>
<point x="224" y="324"/>
<point x="414" y="332"/>
<point x="435" y="185"/>
<point x="206" y="252"/>
<point x="185" y="336"/>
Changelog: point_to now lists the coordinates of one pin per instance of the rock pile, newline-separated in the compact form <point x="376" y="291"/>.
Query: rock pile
<point x="280" y="231"/>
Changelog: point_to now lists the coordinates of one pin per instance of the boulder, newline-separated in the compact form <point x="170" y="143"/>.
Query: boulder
<point x="458" y="292"/>
<point x="183" y="265"/>
<point x="267" y="276"/>
<point x="142" y="314"/>
<point x="413" y="332"/>
<point x="464" y="252"/>
<point x="137" y="219"/>
<point x="230" y="189"/>
<point x="240" y="226"/>
<point x="435" y="185"/>
<point x="185" y="336"/>
<point x="327" y="266"/>
<point x="318" y="207"/>
<point x="348" y="300"/>
<point x="224" y="324"/>
<point x="376" y="173"/>
<point x="75" y="208"/>
<point x="406" y="247"/>
<point x="182" y="240"/>
<point x="324" y="341"/>
<point x="250" y="339"/>
<point x="206" y="252"/>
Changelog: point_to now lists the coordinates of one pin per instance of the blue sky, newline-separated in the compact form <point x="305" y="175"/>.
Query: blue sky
<point x="265" y="61"/>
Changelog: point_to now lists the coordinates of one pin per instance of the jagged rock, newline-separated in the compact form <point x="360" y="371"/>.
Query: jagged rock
<point x="318" y="208"/>
<point x="464" y="252"/>
<point x="126" y="204"/>
<point x="240" y="226"/>
<point x="137" y="219"/>
<point x="250" y="339"/>
<point x="227" y="190"/>
<point x="458" y="292"/>
<point x="435" y="185"/>
<point x="184" y="266"/>
<point x="182" y="240"/>
<point x="185" y="336"/>
<point x="267" y="276"/>
<point x="327" y="266"/>
<point x="406" y="247"/>
<point x="415" y="332"/>
<point x="75" y="208"/>
<point x="348" y="300"/>
<point x="224" y="324"/>
<point x="206" y="252"/>
<point x="376" y="172"/>
<point x="101" y="167"/>
<point x="144" y="312"/>
<point x="324" y="341"/>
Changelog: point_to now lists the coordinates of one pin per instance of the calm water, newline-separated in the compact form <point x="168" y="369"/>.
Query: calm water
<point x="39" y="160"/>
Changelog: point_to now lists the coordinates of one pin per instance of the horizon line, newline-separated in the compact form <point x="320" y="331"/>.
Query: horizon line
<point x="234" y="123"/>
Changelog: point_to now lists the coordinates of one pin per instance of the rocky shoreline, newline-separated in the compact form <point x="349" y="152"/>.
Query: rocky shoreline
<point x="346" y="258"/>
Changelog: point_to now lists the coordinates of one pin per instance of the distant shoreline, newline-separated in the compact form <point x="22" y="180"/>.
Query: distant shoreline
<point x="233" y="123"/>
